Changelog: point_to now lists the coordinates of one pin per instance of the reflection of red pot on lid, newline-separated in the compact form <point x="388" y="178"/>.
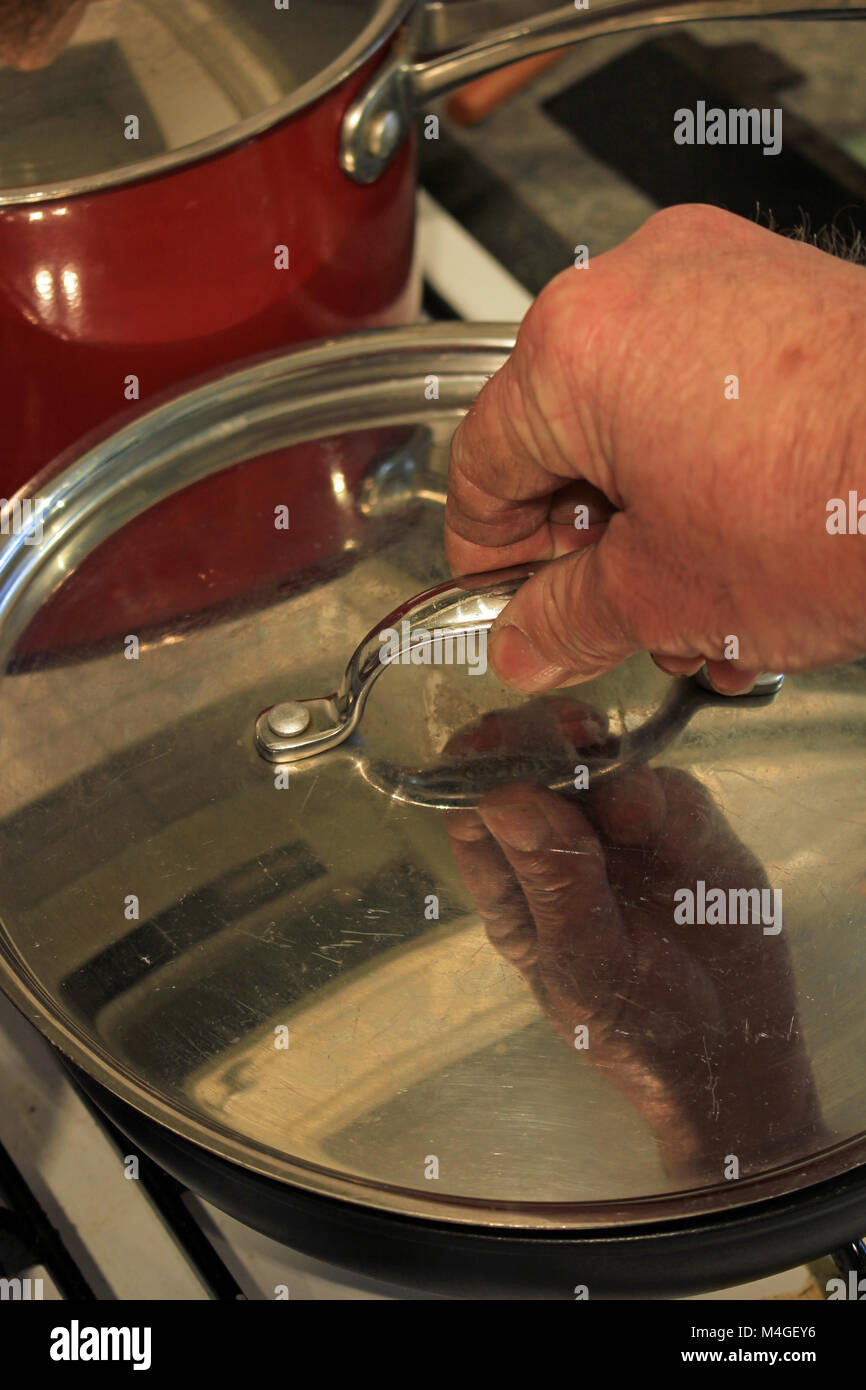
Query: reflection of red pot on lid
<point x="289" y="514"/>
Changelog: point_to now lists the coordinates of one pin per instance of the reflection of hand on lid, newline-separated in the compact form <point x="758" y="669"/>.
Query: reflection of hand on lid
<point x="697" y="1024"/>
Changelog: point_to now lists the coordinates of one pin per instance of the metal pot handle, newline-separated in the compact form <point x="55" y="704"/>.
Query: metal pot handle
<point x="381" y="116"/>
<point x="300" y="729"/>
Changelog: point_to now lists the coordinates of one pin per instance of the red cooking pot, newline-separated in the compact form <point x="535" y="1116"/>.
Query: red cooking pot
<point x="160" y="165"/>
<point x="186" y="182"/>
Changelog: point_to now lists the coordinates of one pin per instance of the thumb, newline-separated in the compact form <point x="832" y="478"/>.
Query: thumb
<point x="567" y="623"/>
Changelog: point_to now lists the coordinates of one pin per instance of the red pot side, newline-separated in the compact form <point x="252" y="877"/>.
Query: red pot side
<point x="215" y="548"/>
<point x="170" y="277"/>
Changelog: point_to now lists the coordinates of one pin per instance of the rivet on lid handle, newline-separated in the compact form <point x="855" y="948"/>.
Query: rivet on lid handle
<point x="288" y="719"/>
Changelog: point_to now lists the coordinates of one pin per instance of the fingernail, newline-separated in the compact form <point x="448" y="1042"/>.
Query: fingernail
<point x="522" y="826"/>
<point x="731" y="694"/>
<point x="519" y="664"/>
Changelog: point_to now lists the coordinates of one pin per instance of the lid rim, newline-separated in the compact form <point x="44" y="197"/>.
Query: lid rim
<point x="215" y="413"/>
<point x="541" y="1218"/>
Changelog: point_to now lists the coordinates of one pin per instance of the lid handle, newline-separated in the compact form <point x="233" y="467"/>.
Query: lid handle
<point x="297" y="729"/>
<point x="300" y="729"/>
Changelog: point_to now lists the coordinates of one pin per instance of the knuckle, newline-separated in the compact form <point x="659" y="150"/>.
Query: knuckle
<point x="687" y="220"/>
<point x="561" y="874"/>
<point x="698" y="227"/>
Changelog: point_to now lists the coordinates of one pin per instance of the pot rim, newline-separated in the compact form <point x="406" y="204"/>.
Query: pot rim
<point x="387" y="18"/>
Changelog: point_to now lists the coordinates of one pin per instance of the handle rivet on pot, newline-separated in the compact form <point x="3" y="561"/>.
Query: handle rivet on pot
<point x="384" y="134"/>
<point x="288" y="719"/>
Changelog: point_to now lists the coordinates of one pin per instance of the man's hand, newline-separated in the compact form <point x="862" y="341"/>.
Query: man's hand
<point x="701" y="392"/>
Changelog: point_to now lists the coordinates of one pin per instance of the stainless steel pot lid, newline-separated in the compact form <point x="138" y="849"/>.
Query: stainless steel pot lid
<point x="127" y="88"/>
<point x="338" y="970"/>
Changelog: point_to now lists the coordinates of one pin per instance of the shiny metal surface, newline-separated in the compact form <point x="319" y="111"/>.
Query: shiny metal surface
<point x="198" y="76"/>
<point x="374" y="999"/>
<point x="453" y="609"/>
<point x="288" y="719"/>
<point x="444" y="618"/>
<point x="512" y="32"/>
<point x="455" y="21"/>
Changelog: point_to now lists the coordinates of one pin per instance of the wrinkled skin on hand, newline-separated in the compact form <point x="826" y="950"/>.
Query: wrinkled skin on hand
<point x="697" y="1025"/>
<point x="707" y="514"/>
